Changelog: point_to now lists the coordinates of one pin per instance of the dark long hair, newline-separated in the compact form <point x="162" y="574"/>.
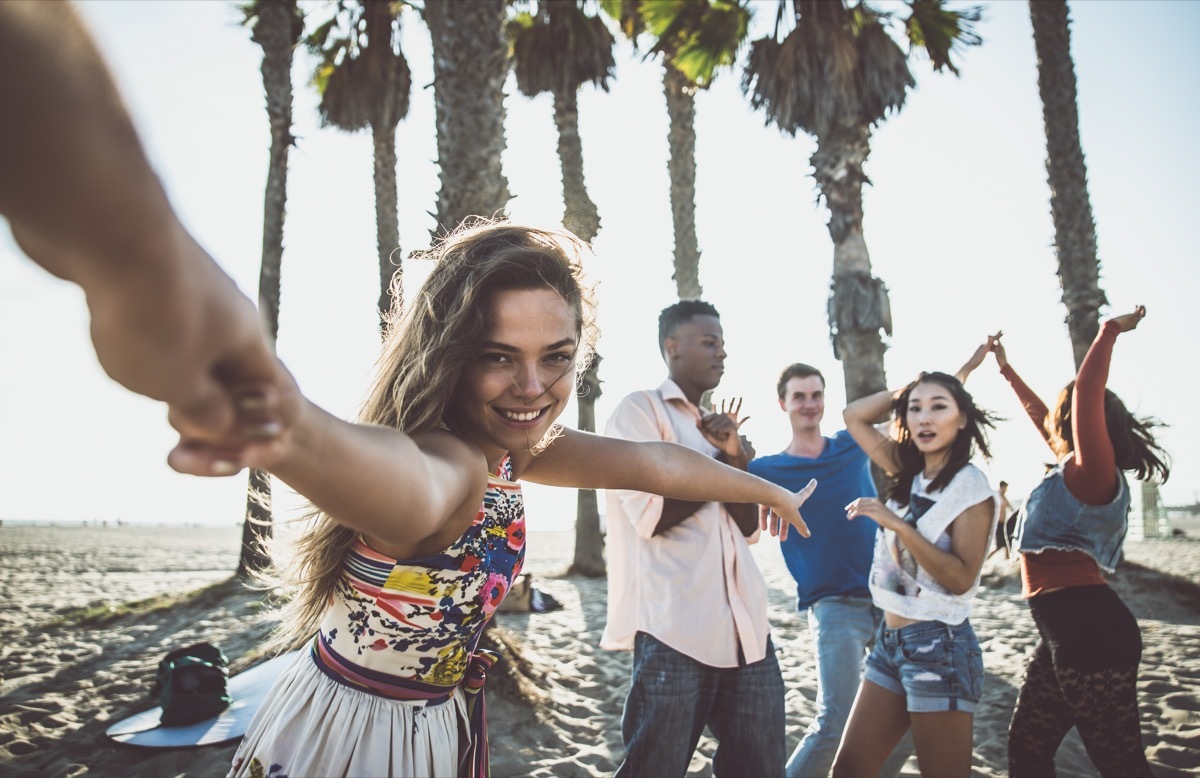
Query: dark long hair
<point x="1132" y="437"/>
<point x="969" y="438"/>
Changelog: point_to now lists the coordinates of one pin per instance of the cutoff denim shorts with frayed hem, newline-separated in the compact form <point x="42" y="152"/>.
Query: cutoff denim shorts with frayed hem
<point x="935" y="666"/>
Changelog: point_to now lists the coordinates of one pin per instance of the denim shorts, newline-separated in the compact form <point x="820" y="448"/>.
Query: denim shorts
<point x="934" y="666"/>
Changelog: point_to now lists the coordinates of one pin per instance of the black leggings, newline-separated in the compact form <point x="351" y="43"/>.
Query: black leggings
<point x="1083" y="674"/>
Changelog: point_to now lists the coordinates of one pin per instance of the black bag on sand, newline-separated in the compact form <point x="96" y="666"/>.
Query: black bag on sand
<point x="191" y="684"/>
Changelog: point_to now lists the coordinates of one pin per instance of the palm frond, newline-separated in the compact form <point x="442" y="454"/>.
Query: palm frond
<point x="760" y="76"/>
<point x="713" y="42"/>
<point x="940" y="31"/>
<point x="883" y="73"/>
<point x="249" y="11"/>
<point x="561" y="48"/>
<point x="670" y="22"/>
<point x="362" y="77"/>
<point x="317" y="41"/>
<point x="627" y="15"/>
<point x="809" y="81"/>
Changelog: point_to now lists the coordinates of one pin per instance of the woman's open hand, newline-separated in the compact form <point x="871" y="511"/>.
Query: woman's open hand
<point x="776" y="518"/>
<point x="1129" y="321"/>
<point x="875" y="510"/>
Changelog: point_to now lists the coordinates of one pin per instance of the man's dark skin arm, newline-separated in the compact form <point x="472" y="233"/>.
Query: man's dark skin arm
<point x="674" y="512"/>
<point x="721" y="429"/>
<point x="744" y="514"/>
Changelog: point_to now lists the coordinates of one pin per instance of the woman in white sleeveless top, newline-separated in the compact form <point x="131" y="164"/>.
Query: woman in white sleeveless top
<point x="925" y="671"/>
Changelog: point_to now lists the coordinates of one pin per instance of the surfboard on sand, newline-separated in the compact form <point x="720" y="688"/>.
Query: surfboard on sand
<point x="248" y="690"/>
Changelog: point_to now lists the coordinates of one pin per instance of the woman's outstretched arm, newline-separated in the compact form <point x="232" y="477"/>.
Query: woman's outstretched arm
<point x="398" y="488"/>
<point x="587" y="461"/>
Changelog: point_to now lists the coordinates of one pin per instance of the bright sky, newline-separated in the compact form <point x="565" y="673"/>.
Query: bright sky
<point x="958" y="224"/>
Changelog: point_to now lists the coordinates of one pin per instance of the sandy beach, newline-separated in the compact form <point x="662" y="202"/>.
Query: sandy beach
<point x="89" y="611"/>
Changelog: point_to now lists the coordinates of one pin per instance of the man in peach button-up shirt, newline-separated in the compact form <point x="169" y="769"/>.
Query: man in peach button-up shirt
<point x="684" y="592"/>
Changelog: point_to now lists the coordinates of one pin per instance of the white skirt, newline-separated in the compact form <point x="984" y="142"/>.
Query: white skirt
<point x="310" y="726"/>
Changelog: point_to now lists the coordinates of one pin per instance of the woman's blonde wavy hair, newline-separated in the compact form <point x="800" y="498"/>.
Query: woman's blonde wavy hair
<point x="426" y="346"/>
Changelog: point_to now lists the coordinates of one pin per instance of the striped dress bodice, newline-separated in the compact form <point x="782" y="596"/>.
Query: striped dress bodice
<point x="407" y="628"/>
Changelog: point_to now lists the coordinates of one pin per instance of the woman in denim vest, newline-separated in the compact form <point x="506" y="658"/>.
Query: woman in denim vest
<point x="925" y="671"/>
<point x="1084" y="668"/>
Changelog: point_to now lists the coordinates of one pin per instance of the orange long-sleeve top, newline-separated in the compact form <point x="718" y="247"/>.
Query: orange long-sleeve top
<point x="1090" y="474"/>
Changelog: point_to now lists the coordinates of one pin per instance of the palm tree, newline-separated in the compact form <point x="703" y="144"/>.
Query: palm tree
<point x="364" y="82"/>
<point x="1074" y="227"/>
<point x="557" y="48"/>
<point x="695" y="39"/>
<point x="276" y="25"/>
<point x="835" y="75"/>
<point x="470" y="65"/>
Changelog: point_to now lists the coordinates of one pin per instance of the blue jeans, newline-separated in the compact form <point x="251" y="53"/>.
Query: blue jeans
<point x="842" y="629"/>
<point x="934" y="666"/>
<point x="671" y="699"/>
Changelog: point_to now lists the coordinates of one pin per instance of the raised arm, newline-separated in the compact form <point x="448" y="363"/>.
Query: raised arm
<point x="1092" y="473"/>
<point x="861" y="417"/>
<point x="83" y="202"/>
<point x="586" y="461"/>
<point x="1035" y="409"/>
<point x="976" y="359"/>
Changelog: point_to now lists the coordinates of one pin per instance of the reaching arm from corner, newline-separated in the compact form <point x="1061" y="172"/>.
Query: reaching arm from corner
<point x="84" y="203"/>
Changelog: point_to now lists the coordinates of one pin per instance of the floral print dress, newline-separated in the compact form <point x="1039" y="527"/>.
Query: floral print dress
<point x="390" y="684"/>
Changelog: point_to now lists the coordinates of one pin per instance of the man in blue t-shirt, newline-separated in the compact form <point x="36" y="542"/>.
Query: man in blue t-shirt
<point x="830" y="567"/>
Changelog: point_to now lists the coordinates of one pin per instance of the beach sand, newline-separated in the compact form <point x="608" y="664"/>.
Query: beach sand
<point x="75" y="657"/>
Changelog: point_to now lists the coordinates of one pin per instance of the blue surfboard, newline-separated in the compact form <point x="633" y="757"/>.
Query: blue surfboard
<point x="248" y="689"/>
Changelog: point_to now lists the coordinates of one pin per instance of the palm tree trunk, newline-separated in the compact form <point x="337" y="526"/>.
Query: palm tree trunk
<point x="1070" y="206"/>
<point x="258" y="525"/>
<point x="589" y="542"/>
<point x="580" y="214"/>
<point x="277" y="33"/>
<point x="858" y="302"/>
<point x="385" y="115"/>
<point x="681" y="137"/>
<point x="470" y="65"/>
<point x="581" y="217"/>
<point x="387" y="220"/>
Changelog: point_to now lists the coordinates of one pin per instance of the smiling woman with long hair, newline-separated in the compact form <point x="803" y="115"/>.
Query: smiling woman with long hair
<point x="417" y="527"/>
<point x="925" y="671"/>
